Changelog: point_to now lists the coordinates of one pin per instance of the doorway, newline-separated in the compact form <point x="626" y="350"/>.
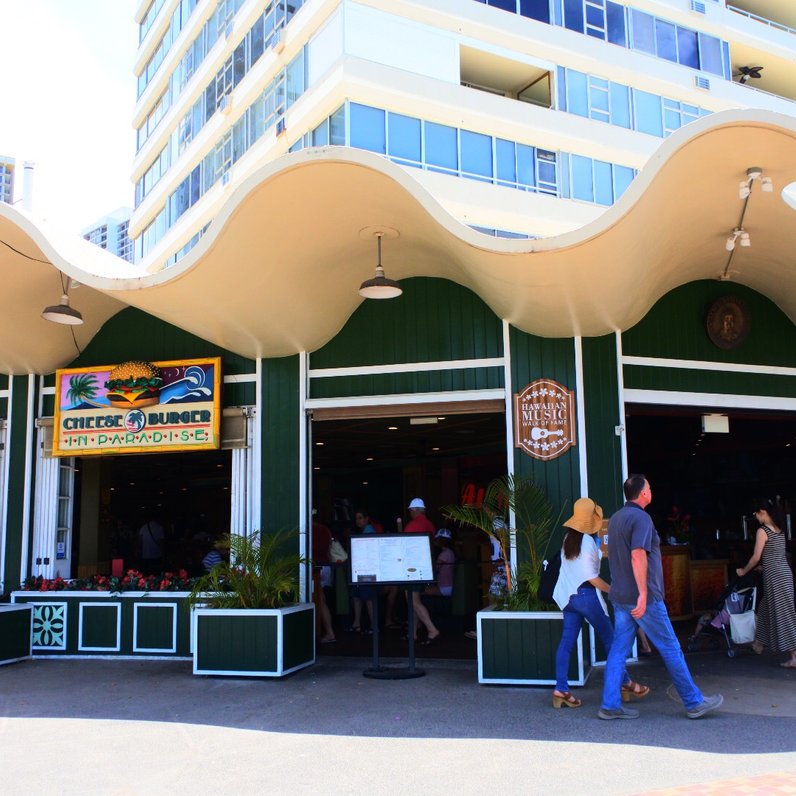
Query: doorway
<point x="712" y="477"/>
<point x="379" y="464"/>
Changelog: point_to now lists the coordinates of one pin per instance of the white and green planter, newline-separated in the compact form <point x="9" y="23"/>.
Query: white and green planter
<point x="101" y="624"/>
<point x="519" y="648"/>
<point x="253" y="642"/>
<point x="15" y="636"/>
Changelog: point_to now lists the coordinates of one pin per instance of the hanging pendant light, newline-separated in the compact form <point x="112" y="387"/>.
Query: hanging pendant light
<point x="379" y="287"/>
<point x="62" y="313"/>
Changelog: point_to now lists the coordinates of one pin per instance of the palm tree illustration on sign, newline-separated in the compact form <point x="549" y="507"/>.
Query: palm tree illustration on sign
<point x="82" y="389"/>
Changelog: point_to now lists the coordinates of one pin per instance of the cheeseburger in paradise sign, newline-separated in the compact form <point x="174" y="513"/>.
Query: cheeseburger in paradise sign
<point x="544" y="419"/>
<point x="138" y="407"/>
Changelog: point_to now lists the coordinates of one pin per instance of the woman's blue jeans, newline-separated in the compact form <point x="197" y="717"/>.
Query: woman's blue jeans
<point x="655" y="623"/>
<point x="582" y="605"/>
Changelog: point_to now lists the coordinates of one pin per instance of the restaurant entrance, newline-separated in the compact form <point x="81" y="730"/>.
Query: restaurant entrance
<point x="704" y="481"/>
<point x="379" y="464"/>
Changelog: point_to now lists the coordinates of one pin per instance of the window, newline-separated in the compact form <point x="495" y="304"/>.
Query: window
<point x="536" y="9"/>
<point x="476" y="154"/>
<point x="404" y="138"/>
<point x="367" y="128"/>
<point x="441" y="147"/>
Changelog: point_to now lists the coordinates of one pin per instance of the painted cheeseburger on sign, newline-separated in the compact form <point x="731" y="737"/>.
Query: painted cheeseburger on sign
<point x="138" y="407"/>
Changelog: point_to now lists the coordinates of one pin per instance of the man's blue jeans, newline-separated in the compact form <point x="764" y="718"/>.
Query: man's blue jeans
<point x="655" y="623"/>
<point x="584" y="604"/>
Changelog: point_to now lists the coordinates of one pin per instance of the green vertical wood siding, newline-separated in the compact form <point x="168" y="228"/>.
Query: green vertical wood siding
<point x="133" y="334"/>
<point x="534" y="358"/>
<point x="280" y="443"/>
<point x="601" y="409"/>
<point x="675" y="328"/>
<point x="433" y="321"/>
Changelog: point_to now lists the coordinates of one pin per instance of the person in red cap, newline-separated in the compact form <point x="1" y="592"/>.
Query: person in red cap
<point x="420" y="524"/>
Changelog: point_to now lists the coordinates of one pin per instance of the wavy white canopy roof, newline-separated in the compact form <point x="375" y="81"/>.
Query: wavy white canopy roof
<point x="278" y="270"/>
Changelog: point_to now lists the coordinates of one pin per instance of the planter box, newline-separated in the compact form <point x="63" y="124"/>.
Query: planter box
<point x="250" y="642"/>
<point x="88" y="624"/>
<point x="519" y="648"/>
<point x="15" y="624"/>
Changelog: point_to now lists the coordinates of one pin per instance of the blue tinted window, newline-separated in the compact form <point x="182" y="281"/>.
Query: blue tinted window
<point x="476" y="150"/>
<point x="710" y="54"/>
<point x="367" y="128"/>
<point x="320" y="135"/>
<point x="603" y="183"/>
<point x="620" y="105"/>
<point x="546" y="177"/>
<point x="404" y="136"/>
<point x="525" y="168"/>
<point x="506" y="165"/>
<point x="536" y="9"/>
<point x="623" y="176"/>
<point x="599" y="98"/>
<point x="582" y="187"/>
<point x="577" y="93"/>
<point x="441" y="146"/>
<point x="687" y="50"/>
<point x="643" y="28"/>
<point x="671" y="119"/>
<point x="666" y="40"/>
<point x="616" y="24"/>
<point x="573" y="15"/>
<point x="506" y="5"/>
<point x="561" y="88"/>
<point x="648" y="113"/>
<point x="337" y="127"/>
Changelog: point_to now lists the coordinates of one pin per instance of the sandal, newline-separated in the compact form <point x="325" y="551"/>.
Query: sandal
<point x="757" y="648"/>
<point x="633" y="690"/>
<point x="790" y="664"/>
<point x="353" y="629"/>
<point x="567" y="699"/>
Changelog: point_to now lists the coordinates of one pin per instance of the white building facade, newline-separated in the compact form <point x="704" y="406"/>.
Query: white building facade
<point x="523" y="118"/>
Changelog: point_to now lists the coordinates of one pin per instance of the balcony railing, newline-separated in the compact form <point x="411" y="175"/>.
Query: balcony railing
<point x="765" y="21"/>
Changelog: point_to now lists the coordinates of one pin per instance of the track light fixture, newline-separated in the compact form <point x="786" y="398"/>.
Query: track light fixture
<point x="739" y="233"/>
<point x="754" y="174"/>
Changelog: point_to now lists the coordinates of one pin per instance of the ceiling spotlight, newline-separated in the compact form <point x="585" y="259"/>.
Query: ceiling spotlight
<point x="744" y="190"/>
<point x="745" y="242"/>
<point x="767" y="185"/>
<point x="379" y="287"/>
<point x="62" y="313"/>
<point x="730" y="244"/>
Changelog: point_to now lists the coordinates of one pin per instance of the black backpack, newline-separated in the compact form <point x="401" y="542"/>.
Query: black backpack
<point x="547" y="583"/>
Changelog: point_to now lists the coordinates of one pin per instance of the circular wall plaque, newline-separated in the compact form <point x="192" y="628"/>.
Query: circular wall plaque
<point x="727" y="322"/>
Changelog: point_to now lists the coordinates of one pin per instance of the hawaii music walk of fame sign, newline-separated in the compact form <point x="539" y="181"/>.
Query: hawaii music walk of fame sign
<point x="138" y="407"/>
<point x="544" y="419"/>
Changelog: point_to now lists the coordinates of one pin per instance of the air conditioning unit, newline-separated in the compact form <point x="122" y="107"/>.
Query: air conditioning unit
<point x="698" y="7"/>
<point x="701" y="83"/>
<point x="280" y="127"/>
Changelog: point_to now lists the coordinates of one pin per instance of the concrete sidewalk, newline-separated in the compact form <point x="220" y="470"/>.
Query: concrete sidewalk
<point x="89" y="726"/>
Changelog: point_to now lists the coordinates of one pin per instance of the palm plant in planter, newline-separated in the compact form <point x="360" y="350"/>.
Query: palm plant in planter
<point x="247" y="619"/>
<point x="519" y="633"/>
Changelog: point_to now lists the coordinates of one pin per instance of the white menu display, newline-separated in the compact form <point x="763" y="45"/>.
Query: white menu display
<point x="391" y="558"/>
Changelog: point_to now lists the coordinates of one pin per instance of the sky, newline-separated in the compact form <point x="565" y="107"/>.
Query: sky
<point x="67" y="94"/>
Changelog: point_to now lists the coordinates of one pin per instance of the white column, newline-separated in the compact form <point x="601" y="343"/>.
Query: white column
<point x="580" y="400"/>
<point x="620" y="391"/>
<point x="45" y="511"/>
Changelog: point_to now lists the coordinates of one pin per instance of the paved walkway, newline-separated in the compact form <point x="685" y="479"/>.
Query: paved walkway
<point x="131" y="727"/>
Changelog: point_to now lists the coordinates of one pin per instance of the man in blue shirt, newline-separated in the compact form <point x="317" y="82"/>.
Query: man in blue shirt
<point x="634" y="553"/>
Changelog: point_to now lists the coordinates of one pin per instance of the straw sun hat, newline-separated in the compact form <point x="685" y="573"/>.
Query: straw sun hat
<point x="587" y="516"/>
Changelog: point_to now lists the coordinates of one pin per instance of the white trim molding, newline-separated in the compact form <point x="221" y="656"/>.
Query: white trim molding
<point x="408" y="367"/>
<point x="406" y="399"/>
<point x="715" y="400"/>
<point x="697" y="364"/>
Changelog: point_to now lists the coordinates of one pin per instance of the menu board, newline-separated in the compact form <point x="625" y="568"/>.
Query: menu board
<point x="391" y="558"/>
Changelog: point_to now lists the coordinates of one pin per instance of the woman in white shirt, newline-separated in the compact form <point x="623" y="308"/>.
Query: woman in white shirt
<point x="578" y="595"/>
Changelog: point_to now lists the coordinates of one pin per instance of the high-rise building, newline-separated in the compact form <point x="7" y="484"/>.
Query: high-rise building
<point x="523" y="118"/>
<point x="111" y="233"/>
<point x="7" y="180"/>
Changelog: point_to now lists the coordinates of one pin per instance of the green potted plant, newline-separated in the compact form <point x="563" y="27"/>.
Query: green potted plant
<point x="518" y="633"/>
<point x="246" y="619"/>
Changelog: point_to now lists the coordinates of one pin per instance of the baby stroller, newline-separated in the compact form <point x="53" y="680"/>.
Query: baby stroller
<point x="733" y="619"/>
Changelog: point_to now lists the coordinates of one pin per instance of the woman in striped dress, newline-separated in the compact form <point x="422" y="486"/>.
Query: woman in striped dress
<point x="776" y="617"/>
